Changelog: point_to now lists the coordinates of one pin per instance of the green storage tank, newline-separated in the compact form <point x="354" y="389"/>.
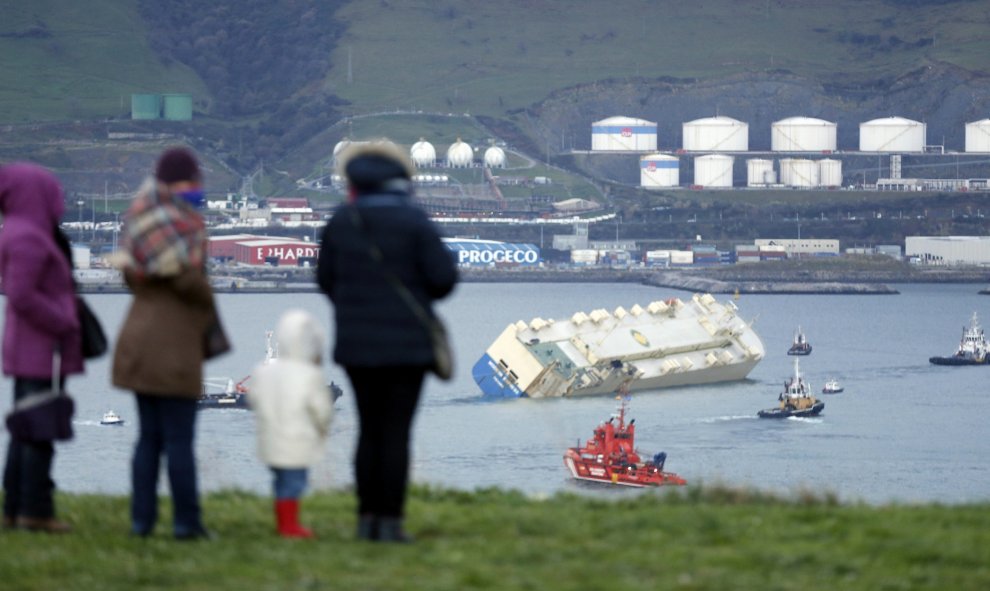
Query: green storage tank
<point x="146" y="106"/>
<point x="177" y="107"/>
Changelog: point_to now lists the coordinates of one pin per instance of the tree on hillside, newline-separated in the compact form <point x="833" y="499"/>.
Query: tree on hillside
<point x="257" y="58"/>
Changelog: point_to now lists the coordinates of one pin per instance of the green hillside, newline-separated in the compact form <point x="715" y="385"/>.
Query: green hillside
<point x="273" y="83"/>
<point x="489" y="58"/>
<point x="70" y="60"/>
<point x="80" y="60"/>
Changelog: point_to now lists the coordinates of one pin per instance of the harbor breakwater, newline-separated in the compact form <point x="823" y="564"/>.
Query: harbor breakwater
<point x="763" y="280"/>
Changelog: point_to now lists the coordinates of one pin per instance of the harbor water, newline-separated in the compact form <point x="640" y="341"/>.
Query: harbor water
<point x="902" y="431"/>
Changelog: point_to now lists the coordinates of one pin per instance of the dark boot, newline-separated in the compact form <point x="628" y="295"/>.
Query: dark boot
<point x="287" y="518"/>
<point x="367" y="527"/>
<point x="43" y="524"/>
<point x="390" y="530"/>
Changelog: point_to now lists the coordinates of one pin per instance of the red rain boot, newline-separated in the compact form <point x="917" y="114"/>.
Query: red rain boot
<point x="287" y="516"/>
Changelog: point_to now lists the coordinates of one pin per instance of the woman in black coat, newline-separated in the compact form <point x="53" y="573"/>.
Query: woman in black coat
<point x="381" y="342"/>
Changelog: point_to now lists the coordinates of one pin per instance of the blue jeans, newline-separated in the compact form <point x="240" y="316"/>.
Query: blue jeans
<point x="27" y="481"/>
<point x="289" y="483"/>
<point x="167" y="427"/>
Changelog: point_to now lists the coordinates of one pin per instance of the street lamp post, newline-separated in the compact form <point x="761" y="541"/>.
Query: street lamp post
<point x="80" y="203"/>
<point x="116" y="225"/>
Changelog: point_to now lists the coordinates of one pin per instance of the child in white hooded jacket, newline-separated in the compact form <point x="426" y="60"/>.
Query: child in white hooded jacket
<point x="293" y="407"/>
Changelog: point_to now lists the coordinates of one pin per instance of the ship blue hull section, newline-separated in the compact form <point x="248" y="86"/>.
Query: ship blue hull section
<point x="958" y="360"/>
<point x="493" y="380"/>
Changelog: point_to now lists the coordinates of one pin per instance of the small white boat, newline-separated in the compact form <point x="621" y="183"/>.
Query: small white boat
<point x="832" y="386"/>
<point x="111" y="418"/>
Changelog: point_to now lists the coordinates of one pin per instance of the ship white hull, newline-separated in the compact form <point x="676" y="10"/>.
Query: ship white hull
<point x="667" y="344"/>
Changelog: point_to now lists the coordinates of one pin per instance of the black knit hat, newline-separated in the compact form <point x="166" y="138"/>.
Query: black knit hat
<point x="177" y="164"/>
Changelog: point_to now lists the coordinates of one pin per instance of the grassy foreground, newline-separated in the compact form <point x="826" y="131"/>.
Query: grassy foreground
<point x="491" y="539"/>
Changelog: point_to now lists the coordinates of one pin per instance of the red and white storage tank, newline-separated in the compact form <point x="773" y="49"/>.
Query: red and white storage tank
<point x="892" y="134"/>
<point x="624" y="134"/>
<point x="658" y="171"/>
<point x="713" y="170"/>
<point x="978" y="136"/>
<point x="715" y="134"/>
<point x="803" y="134"/>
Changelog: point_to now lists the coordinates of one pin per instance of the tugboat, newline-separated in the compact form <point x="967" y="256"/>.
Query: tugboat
<point x="801" y="345"/>
<point x="832" y="386"/>
<point x="610" y="456"/>
<point x="111" y="418"/>
<point x="232" y="396"/>
<point x="795" y="401"/>
<point x="973" y="347"/>
<point x="235" y="395"/>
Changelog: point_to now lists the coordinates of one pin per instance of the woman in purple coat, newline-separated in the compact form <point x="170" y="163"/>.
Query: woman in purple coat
<point x="41" y="317"/>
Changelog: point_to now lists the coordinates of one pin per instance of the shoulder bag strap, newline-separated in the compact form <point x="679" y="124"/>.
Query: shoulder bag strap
<point x="56" y="371"/>
<point x="426" y="319"/>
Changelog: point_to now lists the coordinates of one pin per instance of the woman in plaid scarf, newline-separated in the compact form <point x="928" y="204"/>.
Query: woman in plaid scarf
<point x="159" y="353"/>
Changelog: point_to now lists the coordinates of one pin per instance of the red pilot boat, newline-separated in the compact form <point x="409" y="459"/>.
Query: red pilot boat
<point x="610" y="457"/>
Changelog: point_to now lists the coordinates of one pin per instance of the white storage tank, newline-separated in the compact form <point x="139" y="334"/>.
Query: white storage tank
<point x="624" y="134"/>
<point x="785" y="171"/>
<point x="892" y="134"/>
<point x="803" y="134"/>
<point x="423" y="153"/>
<point x="978" y="136"/>
<point x="495" y="157"/>
<point x="799" y="172"/>
<point x="715" y="134"/>
<point x="713" y="170"/>
<point x="659" y="170"/>
<point x="830" y="172"/>
<point x="459" y="155"/>
<point x="760" y="173"/>
<point x="339" y="147"/>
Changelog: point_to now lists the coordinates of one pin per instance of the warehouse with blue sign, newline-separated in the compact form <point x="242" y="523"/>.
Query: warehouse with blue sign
<point x="488" y="253"/>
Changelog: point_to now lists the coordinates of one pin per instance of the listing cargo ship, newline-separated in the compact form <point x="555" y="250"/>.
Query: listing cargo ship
<point x="667" y="343"/>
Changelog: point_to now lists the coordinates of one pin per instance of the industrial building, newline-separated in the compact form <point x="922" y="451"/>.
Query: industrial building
<point x="170" y="107"/>
<point x="948" y="250"/>
<point x="801" y="247"/>
<point x="248" y="249"/>
<point x="471" y="252"/>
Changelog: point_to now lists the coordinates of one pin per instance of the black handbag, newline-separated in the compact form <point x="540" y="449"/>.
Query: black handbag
<point x="215" y="340"/>
<point x="43" y="416"/>
<point x="94" y="340"/>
